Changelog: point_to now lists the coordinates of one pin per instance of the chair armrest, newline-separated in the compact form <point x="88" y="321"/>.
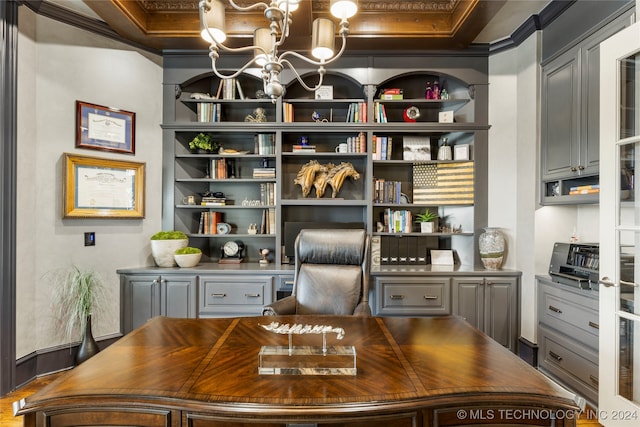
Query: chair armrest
<point x="286" y="305"/>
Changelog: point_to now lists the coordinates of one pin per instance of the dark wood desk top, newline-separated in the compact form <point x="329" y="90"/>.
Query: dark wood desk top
<point x="210" y="366"/>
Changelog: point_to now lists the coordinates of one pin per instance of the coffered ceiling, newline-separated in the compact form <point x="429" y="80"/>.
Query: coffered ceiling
<point x="379" y="25"/>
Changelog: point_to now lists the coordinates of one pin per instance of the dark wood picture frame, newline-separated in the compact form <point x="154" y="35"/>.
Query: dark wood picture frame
<point x="105" y="128"/>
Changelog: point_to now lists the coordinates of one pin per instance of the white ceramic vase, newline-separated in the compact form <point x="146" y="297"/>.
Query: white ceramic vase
<point x="491" y="247"/>
<point x="163" y="251"/>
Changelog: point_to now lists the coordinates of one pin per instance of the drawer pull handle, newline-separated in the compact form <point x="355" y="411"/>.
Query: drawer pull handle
<point x="594" y="325"/>
<point x="555" y="309"/>
<point x="594" y="379"/>
<point x="397" y="297"/>
<point x="252" y="295"/>
<point x="430" y="297"/>
<point x="218" y="295"/>
<point x="558" y="358"/>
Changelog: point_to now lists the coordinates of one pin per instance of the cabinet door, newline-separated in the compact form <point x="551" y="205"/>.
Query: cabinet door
<point x="560" y="116"/>
<point x="178" y="296"/>
<point x="468" y="300"/>
<point x="140" y="300"/>
<point x="501" y="310"/>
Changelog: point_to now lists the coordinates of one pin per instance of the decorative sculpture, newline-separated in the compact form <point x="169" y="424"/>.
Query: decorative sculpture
<point x="306" y="175"/>
<point x="322" y="179"/>
<point x="313" y="173"/>
<point x="300" y="329"/>
<point x="338" y="174"/>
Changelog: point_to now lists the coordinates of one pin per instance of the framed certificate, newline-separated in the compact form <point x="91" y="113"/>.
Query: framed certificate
<point x="105" y="128"/>
<point x="102" y="188"/>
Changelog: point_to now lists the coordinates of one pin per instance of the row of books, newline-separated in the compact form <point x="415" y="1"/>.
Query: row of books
<point x="397" y="221"/>
<point x="287" y="112"/>
<point x="229" y="89"/>
<point x="386" y="191"/>
<point x="268" y="224"/>
<point x="357" y="112"/>
<point x="382" y="147"/>
<point x="209" y="222"/>
<point x="357" y="144"/>
<point x="209" y="112"/>
<point x="407" y="250"/>
<point x="222" y="169"/>
<point x="265" y="143"/>
<point x="379" y="113"/>
<point x="268" y="193"/>
<point x="584" y="189"/>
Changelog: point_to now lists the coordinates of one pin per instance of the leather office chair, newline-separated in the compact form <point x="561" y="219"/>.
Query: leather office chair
<point x="331" y="274"/>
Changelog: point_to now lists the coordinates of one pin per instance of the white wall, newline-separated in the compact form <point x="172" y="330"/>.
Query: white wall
<point x="57" y="65"/>
<point x="514" y="176"/>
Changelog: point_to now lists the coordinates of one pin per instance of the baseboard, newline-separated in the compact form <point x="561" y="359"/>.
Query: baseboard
<point x="53" y="359"/>
<point x="528" y="351"/>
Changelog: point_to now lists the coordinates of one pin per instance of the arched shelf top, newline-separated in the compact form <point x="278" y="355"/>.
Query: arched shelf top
<point x="414" y="83"/>
<point x="344" y="86"/>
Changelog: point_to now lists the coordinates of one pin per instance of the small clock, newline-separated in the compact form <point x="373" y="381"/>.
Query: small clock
<point x="223" y="228"/>
<point x="231" y="251"/>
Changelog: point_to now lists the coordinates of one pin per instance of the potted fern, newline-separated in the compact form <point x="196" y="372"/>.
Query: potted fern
<point x="427" y="221"/>
<point x="164" y="245"/>
<point x="77" y="294"/>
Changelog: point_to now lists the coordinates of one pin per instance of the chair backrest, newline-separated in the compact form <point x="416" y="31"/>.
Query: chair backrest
<point x="332" y="272"/>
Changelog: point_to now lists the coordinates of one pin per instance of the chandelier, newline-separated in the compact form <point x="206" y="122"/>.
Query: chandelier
<point x="267" y="41"/>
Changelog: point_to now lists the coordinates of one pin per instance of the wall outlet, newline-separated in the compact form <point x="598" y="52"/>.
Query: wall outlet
<point x="90" y="238"/>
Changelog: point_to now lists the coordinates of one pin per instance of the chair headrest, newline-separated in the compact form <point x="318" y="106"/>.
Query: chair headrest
<point x="331" y="246"/>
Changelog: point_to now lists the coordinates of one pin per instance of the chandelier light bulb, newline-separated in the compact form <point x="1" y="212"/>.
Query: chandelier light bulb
<point x="344" y="9"/>
<point x="293" y="5"/>
<point x="213" y="23"/>
<point x="323" y="39"/>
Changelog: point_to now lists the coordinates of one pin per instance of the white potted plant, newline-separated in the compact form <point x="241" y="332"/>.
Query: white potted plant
<point x="427" y="221"/>
<point x="187" y="257"/>
<point x="164" y="245"/>
<point x="77" y="294"/>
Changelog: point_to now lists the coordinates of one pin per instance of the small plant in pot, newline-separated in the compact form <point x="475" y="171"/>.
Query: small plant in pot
<point x="188" y="257"/>
<point x="77" y="294"/>
<point x="204" y="143"/>
<point x="427" y="221"/>
<point x="164" y="245"/>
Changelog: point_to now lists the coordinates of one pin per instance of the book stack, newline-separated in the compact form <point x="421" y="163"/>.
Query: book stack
<point x="213" y="201"/>
<point x="222" y="169"/>
<point x="264" y="173"/>
<point x="398" y="221"/>
<point x="299" y="148"/>
<point x="357" y="112"/>
<point x="584" y="189"/>
<point x="387" y="191"/>
<point x="383" y="147"/>
<point x="209" y="112"/>
<point x="266" y="143"/>
<point x="379" y="113"/>
<point x="357" y="144"/>
<point x="391" y="94"/>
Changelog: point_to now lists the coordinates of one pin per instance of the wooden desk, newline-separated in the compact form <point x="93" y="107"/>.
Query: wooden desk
<point x="435" y="371"/>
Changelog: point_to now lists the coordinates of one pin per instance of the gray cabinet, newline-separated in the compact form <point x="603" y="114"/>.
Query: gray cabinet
<point x="568" y="333"/>
<point x="234" y="295"/>
<point x="570" y="102"/>
<point x="412" y="296"/>
<point x="144" y="296"/>
<point x="490" y="304"/>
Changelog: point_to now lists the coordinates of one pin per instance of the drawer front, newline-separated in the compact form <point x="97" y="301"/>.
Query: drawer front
<point x="570" y="362"/>
<point x="413" y="296"/>
<point x="571" y="313"/>
<point x="235" y="295"/>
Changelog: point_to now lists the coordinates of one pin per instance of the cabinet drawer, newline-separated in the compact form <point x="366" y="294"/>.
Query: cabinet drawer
<point x="570" y="362"/>
<point x="571" y="313"/>
<point x="235" y="295"/>
<point x="413" y="296"/>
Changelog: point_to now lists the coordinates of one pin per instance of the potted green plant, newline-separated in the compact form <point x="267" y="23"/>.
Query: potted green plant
<point x="77" y="294"/>
<point x="187" y="256"/>
<point x="203" y="142"/>
<point x="427" y="221"/>
<point x="164" y="245"/>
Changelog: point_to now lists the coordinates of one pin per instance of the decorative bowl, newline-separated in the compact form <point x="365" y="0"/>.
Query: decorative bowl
<point x="187" y="260"/>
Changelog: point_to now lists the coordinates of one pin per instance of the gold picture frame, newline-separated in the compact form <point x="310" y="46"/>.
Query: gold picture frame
<point x="95" y="187"/>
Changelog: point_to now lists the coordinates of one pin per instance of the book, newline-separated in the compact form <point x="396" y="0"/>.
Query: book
<point x="391" y="97"/>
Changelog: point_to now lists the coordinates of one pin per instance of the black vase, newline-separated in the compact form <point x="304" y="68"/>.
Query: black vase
<point x="88" y="346"/>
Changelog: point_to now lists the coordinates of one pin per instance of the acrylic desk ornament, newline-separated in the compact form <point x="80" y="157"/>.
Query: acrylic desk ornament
<point x="306" y="359"/>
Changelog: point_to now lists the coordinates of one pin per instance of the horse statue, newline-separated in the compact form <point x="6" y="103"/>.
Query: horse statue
<point x="322" y="179"/>
<point x="306" y="176"/>
<point x="338" y="174"/>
